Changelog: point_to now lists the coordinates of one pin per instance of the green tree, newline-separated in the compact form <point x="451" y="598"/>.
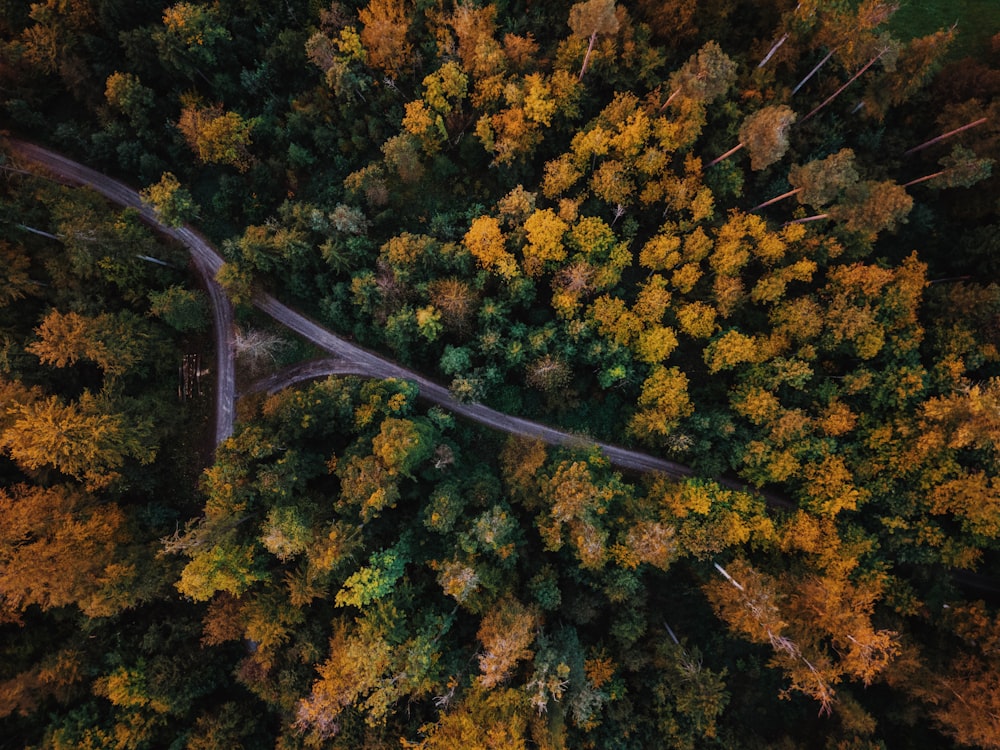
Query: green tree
<point x="171" y="201"/>
<point x="180" y="308"/>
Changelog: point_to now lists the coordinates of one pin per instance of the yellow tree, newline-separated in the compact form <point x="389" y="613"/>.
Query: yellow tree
<point x="82" y="439"/>
<point x="60" y="547"/>
<point x="482" y="720"/>
<point x="217" y="136"/>
<point x="662" y="404"/>
<point x="385" y="23"/>
<point x="486" y="242"/>
<point x="544" y="230"/>
<point x="115" y="343"/>
<point x="506" y="632"/>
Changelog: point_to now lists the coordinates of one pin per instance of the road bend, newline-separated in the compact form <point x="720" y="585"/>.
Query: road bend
<point x="204" y="257"/>
<point x="346" y="358"/>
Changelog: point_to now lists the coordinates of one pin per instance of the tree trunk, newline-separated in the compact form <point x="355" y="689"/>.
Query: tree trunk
<point x="925" y="178"/>
<point x="586" y="58"/>
<point x="726" y="155"/>
<point x="40" y="232"/>
<point x="774" y="200"/>
<point x="774" y="49"/>
<point x="814" y="71"/>
<point x="670" y="98"/>
<point x="941" y="137"/>
<point x="839" y="91"/>
<point x="817" y="217"/>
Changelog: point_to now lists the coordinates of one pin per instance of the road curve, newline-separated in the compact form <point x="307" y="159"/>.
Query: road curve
<point x="347" y="358"/>
<point x="206" y="261"/>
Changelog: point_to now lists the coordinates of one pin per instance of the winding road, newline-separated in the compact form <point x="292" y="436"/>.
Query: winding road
<point x="347" y="358"/>
<point x="205" y="258"/>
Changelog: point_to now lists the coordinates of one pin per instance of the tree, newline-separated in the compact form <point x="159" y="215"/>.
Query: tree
<point x="871" y="207"/>
<point x="191" y="33"/>
<point x="59" y="547"/>
<point x="478" y="48"/>
<point x="171" y="201"/>
<point x="83" y="439"/>
<point x="385" y="24"/>
<point x="485" y="241"/>
<point x="15" y="279"/>
<point x="706" y="76"/>
<point x="125" y="92"/>
<point x="822" y="181"/>
<point x="403" y="444"/>
<point x="544" y="230"/>
<point x="549" y="374"/>
<point x="960" y="168"/>
<point x="749" y="602"/>
<point x="217" y="136"/>
<point x="506" y="631"/>
<point x="482" y="720"/>
<point x="374" y="581"/>
<point x="962" y="693"/>
<point x="663" y="403"/>
<point x="182" y="309"/>
<point x="765" y="134"/>
<point x="590" y="18"/>
<point x="117" y="343"/>
<point x="456" y="301"/>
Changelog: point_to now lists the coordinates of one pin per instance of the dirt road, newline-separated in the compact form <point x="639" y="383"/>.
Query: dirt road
<point x="347" y="357"/>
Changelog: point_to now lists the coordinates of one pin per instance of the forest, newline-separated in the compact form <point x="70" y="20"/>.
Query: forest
<point x="757" y="239"/>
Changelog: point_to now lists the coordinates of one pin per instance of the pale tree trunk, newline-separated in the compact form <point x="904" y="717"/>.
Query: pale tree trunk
<point x="925" y="178"/>
<point x="839" y="91"/>
<point x="40" y="232"/>
<point x="941" y="137"/>
<point x="724" y="156"/>
<point x="670" y="98"/>
<point x="813" y="72"/>
<point x="774" y="49"/>
<point x="803" y="220"/>
<point x="774" y="200"/>
<point x="586" y="58"/>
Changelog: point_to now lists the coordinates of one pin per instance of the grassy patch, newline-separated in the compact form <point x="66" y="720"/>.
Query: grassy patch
<point x="978" y="20"/>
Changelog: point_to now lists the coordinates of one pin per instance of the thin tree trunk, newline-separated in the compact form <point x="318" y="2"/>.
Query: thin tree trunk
<point x="774" y="200"/>
<point x="814" y="71"/>
<point x="839" y="91"/>
<point x="40" y="233"/>
<point x="586" y="58"/>
<point x="670" y="98"/>
<point x="941" y="137"/>
<point x="924" y="178"/>
<point x="817" y="217"/>
<point x="726" y="155"/>
<point x="949" y="279"/>
<point x="774" y="49"/>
